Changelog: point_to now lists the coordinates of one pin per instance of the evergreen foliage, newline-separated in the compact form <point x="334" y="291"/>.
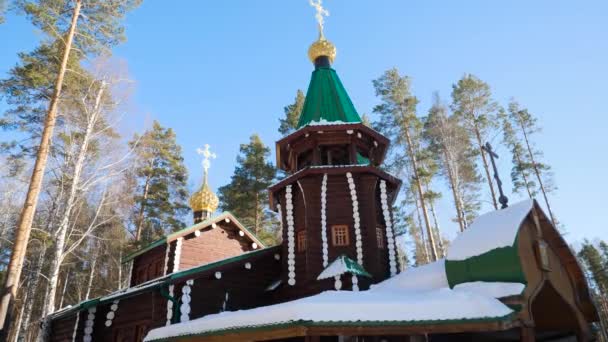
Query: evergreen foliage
<point x="475" y="110"/>
<point x="596" y="265"/>
<point x="292" y="112"/>
<point x="161" y="200"/>
<point x="246" y="195"/>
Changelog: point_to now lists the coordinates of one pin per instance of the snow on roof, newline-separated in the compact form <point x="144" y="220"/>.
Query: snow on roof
<point x="347" y="306"/>
<point x="341" y="265"/>
<point x="490" y="289"/>
<point x="425" y="277"/>
<point x="490" y="231"/>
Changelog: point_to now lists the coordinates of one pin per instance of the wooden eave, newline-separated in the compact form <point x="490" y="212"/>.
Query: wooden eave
<point x="575" y="271"/>
<point x="281" y="145"/>
<point x="332" y="170"/>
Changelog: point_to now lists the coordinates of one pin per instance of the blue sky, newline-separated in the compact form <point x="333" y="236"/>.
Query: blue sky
<point x="216" y="72"/>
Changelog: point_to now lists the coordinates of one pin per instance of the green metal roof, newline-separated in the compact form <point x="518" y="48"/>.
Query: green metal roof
<point x="327" y="100"/>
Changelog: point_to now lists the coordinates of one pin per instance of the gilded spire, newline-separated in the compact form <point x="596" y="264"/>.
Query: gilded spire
<point x="204" y="201"/>
<point x="322" y="47"/>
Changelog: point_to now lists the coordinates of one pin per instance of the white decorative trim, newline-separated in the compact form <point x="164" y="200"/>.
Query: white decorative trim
<point x="248" y="265"/>
<point x="324" y="220"/>
<point x="390" y="238"/>
<point x="355" y="282"/>
<point x="214" y="225"/>
<point x="88" y="325"/>
<point x="197" y="233"/>
<point x="112" y="313"/>
<point x="170" y="305"/>
<point x="337" y="282"/>
<point x="178" y="254"/>
<point x="186" y="298"/>
<point x="167" y="250"/>
<point x="254" y="245"/>
<point x="218" y="275"/>
<point x="356" y="218"/>
<point x="241" y="233"/>
<point x="277" y="256"/>
<point x="291" y="245"/>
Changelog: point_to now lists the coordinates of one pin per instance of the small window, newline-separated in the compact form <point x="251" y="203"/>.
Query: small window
<point x="380" y="237"/>
<point x="301" y="241"/>
<point x="339" y="235"/>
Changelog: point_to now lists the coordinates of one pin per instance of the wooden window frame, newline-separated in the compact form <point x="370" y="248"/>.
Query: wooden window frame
<point x="381" y="241"/>
<point x="301" y="241"/>
<point x="340" y="235"/>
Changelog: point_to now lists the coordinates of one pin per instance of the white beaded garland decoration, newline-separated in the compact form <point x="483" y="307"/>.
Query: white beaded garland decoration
<point x="355" y="282"/>
<point x="254" y="245"/>
<point x="356" y="218"/>
<point x="337" y="282"/>
<point x="178" y="254"/>
<point x="324" y="220"/>
<point x="88" y="330"/>
<point x="112" y="313"/>
<point x="390" y="237"/>
<point x="170" y="305"/>
<point x="241" y="233"/>
<point x="291" y="258"/>
<point x="214" y="225"/>
<point x="197" y="233"/>
<point x="218" y="275"/>
<point x="248" y="265"/>
<point x="167" y="250"/>
<point x="185" y="307"/>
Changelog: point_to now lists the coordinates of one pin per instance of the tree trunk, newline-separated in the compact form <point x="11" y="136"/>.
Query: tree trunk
<point x="61" y="234"/>
<point x="455" y="193"/>
<point x="29" y="208"/>
<point x="91" y="276"/>
<point x="537" y="171"/>
<point x="486" y="167"/>
<point x="423" y="245"/>
<point x="523" y="173"/>
<point x="28" y="306"/>
<point x="257" y="213"/>
<point x="140" y="218"/>
<point x="418" y="183"/>
<point x="65" y="287"/>
<point x="437" y="229"/>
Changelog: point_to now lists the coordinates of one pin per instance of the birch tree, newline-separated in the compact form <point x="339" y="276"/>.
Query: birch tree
<point x="454" y="154"/>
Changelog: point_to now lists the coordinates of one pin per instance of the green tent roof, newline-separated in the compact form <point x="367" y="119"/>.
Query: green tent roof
<point x="327" y="100"/>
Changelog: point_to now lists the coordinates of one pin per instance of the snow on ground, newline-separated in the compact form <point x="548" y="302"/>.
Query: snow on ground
<point x="490" y="231"/>
<point x="489" y="289"/>
<point x="348" y="306"/>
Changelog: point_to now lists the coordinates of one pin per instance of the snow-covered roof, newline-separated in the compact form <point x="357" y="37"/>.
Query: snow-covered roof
<point x="341" y="265"/>
<point x="346" y="306"/>
<point x="417" y="295"/>
<point x="492" y="230"/>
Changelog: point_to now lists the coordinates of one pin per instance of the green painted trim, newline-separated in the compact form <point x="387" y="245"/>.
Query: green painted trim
<point x="306" y="324"/>
<point x="219" y="263"/>
<point x="497" y="265"/>
<point x="327" y="100"/>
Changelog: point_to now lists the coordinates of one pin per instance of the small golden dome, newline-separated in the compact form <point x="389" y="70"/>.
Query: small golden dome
<point x="204" y="199"/>
<point x="322" y="47"/>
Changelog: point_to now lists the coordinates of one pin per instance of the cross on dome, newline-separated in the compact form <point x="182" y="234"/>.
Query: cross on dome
<point x="207" y="155"/>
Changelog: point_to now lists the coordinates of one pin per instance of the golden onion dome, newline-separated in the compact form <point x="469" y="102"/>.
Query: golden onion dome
<point x="204" y="199"/>
<point x="322" y="47"/>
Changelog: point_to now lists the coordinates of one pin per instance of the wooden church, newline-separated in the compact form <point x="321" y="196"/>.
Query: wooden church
<point x="335" y="277"/>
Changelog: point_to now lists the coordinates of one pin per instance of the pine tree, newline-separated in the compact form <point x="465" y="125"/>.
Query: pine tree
<point x="453" y="152"/>
<point x="292" y="114"/>
<point x="398" y="121"/>
<point x="473" y="106"/>
<point x="246" y="195"/>
<point x="528" y="126"/>
<point x="596" y="265"/>
<point x="161" y="200"/>
<point x="521" y="173"/>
